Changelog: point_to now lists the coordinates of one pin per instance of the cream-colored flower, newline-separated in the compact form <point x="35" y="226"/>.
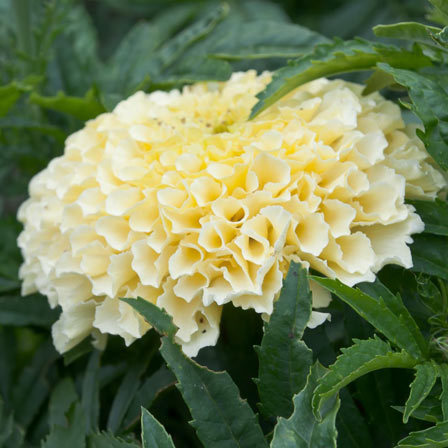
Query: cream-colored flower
<point x="176" y="197"/>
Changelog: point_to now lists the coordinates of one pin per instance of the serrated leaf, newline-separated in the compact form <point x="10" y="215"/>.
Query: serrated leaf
<point x="394" y="302"/>
<point x="90" y="396"/>
<point x="285" y="360"/>
<point x="425" y="378"/>
<point x="331" y="59"/>
<point x="302" y="430"/>
<point x="221" y="418"/>
<point x="154" y="434"/>
<point x="429" y="255"/>
<point x="429" y="103"/>
<point x="443" y="372"/>
<point x="433" y="437"/>
<point x="72" y="435"/>
<point x="434" y="215"/>
<point x="62" y="397"/>
<point x="107" y="440"/>
<point x="413" y="31"/>
<point x="82" y="108"/>
<point x="428" y="411"/>
<point x="377" y="312"/>
<point x="362" y="357"/>
<point x="157" y="318"/>
<point x="30" y="310"/>
<point x="147" y="393"/>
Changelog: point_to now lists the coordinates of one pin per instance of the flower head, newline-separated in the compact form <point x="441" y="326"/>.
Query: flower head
<point x="177" y="198"/>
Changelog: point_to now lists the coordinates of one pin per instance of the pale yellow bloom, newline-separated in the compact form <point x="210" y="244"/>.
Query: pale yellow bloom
<point x="176" y="197"/>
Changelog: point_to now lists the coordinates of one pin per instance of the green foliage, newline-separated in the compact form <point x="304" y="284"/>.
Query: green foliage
<point x="434" y="215"/>
<point x="220" y="417"/>
<point x="409" y="31"/>
<point x="436" y="436"/>
<point x="302" y="429"/>
<point x="153" y="433"/>
<point x="283" y="373"/>
<point x="31" y="310"/>
<point x="61" y="65"/>
<point x="81" y="108"/>
<point x="362" y="357"/>
<point x="429" y="255"/>
<point x="429" y="102"/>
<point x="385" y="312"/>
<point x="332" y="59"/>
<point x="425" y="378"/>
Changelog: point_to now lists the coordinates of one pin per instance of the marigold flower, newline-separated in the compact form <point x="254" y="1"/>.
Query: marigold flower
<point x="177" y="198"/>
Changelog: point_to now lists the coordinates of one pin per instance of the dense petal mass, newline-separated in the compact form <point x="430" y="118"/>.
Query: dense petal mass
<point x="177" y="198"/>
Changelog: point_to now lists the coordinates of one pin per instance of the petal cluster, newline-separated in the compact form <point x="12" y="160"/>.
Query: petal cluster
<point x="178" y="198"/>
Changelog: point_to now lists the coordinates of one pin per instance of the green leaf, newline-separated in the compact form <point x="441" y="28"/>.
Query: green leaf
<point x="353" y="431"/>
<point x="434" y="215"/>
<point x="175" y="47"/>
<point x="61" y="399"/>
<point x="331" y="59"/>
<point x="8" y="355"/>
<point x="425" y="412"/>
<point x="278" y="40"/>
<point x="285" y="360"/>
<point x="126" y="391"/>
<point x="11" y="435"/>
<point x="23" y="124"/>
<point x="8" y="285"/>
<point x="389" y="317"/>
<point x="442" y="37"/>
<point x="132" y="61"/>
<point x="302" y="430"/>
<point x="395" y="304"/>
<point x="425" y="378"/>
<point x="32" y="387"/>
<point x="433" y="437"/>
<point x="430" y="104"/>
<point x="377" y="81"/>
<point x="441" y="5"/>
<point x="362" y="357"/>
<point x="107" y="440"/>
<point x="443" y="372"/>
<point x="221" y="417"/>
<point x="9" y="94"/>
<point x="154" y="434"/>
<point x="82" y="108"/>
<point x="79" y="350"/>
<point x="407" y="30"/>
<point x="90" y="397"/>
<point x="161" y="321"/>
<point x="429" y="255"/>
<point x="30" y="310"/>
<point x="147" y="393"/>
<point x="72" y="435"/>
